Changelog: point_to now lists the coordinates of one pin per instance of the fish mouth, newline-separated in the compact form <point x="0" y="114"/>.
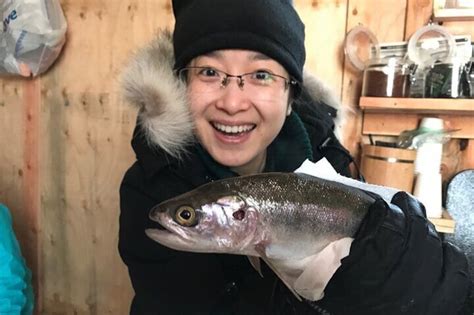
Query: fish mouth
<point x="166" y="233"/>
<point x="168" y="238"/>
<point x="157" y="234"/>
<point x="161" y="230"/>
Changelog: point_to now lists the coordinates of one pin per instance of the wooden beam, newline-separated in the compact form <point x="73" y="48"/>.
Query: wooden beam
<point x="418" y="15"/>
<point x="31" y="189"/>
<point x="418" y="105"/>
<point x="391" y="124"/>
<point x="445" y="224"/>
<point x="468" y="156"/>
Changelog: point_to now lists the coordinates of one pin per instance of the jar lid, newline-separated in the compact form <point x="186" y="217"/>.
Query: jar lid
<point x="429" y="44"/>
<point x="358" y="46"/>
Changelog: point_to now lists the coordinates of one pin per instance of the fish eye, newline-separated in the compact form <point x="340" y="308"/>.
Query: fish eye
<point x="185" y="215"/>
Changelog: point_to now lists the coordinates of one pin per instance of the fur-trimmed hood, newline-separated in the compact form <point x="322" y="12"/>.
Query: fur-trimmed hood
<point x="150" y="84"/>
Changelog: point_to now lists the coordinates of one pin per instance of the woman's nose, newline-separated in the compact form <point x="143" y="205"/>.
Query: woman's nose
<point x="233" y="98"/>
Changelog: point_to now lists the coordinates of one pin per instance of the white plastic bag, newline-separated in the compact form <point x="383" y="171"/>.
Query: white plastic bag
<point x="33" y="34"/>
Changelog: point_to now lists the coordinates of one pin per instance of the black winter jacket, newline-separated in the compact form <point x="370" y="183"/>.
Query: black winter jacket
<point x="171" y="282"/>
<point x="397" y="263"/>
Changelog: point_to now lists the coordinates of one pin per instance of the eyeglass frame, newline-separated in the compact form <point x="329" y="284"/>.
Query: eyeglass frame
<point x="240" y="81"/>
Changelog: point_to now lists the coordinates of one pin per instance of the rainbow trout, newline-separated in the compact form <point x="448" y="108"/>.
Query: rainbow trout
<point x="287" y="219"/>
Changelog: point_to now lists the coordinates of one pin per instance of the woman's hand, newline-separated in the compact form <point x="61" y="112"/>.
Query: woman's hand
<point x="398" y="264"/>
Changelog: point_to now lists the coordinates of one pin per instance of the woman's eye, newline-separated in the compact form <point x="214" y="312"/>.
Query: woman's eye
<point x="262" y="76"/>
<point x="208" y="72"/>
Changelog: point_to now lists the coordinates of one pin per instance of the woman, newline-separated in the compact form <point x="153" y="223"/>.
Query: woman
<point x="231" y="101"/>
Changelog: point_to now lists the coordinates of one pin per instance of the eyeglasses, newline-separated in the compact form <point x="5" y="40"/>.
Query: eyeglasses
<point x="208" y="79"/>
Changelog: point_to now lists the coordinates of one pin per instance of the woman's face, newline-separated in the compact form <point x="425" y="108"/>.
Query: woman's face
<point x="235" y="122"/>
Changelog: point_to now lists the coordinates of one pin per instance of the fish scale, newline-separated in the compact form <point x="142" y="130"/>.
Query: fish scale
<point x="304" y="201"/>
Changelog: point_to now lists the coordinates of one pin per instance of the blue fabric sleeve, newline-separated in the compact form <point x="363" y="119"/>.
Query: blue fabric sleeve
<point x="16" y="292"/>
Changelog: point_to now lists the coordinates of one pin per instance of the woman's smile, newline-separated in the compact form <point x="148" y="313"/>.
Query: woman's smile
<point x="232" y="133"/>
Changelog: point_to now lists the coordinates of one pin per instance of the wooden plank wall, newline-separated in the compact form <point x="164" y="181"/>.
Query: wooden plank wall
<point x="386" y="19"/>
<point x="65" y="136"/>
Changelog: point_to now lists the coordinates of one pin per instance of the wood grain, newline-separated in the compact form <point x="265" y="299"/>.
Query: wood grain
<point x="386" y="19"/>
<point x="31" y="184"/>
<point x="66" y="136"/>
<point x="86" y="136"/>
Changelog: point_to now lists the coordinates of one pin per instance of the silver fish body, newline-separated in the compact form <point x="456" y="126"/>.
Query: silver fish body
<point x="289" y="212"/>
<point x="294" y="222"/>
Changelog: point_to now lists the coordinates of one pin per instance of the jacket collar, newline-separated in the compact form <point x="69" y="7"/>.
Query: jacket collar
<point x="287" y="152"/>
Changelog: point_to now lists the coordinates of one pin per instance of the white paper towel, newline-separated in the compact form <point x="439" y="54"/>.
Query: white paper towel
<point x="428" y="158"/>
<point x="428" y="191"/>
<point x="323" y="169"/>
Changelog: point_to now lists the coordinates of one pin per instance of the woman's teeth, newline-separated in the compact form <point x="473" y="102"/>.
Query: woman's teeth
<point x="233" y="129"/>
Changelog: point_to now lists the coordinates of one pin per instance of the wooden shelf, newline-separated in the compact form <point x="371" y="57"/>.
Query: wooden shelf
<point x="390" y="116"/>
<point x="418" y="105"/>
<point x="445" y="224"/>
<point x="453" y="14"/>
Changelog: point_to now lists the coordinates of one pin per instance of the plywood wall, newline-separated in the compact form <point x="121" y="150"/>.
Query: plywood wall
<point x="386" y="19"/>
<point x="65" y="136"/>
<point x="84" y="143"/>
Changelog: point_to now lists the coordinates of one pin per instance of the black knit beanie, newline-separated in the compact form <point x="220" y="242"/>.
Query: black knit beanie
<point x="271" y="27"/>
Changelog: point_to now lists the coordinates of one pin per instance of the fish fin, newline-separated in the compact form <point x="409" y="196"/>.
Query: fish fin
<point x="261" y="251"/>
<point x="255" y="262"/>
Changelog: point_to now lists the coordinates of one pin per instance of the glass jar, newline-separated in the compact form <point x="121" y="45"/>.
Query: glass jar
<point x="469" y="79"/>
<point x="418" y="81"/>
<point x="444" y="80"/>
<point x="427" y="45"/>
<point x="387" y="77"/>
